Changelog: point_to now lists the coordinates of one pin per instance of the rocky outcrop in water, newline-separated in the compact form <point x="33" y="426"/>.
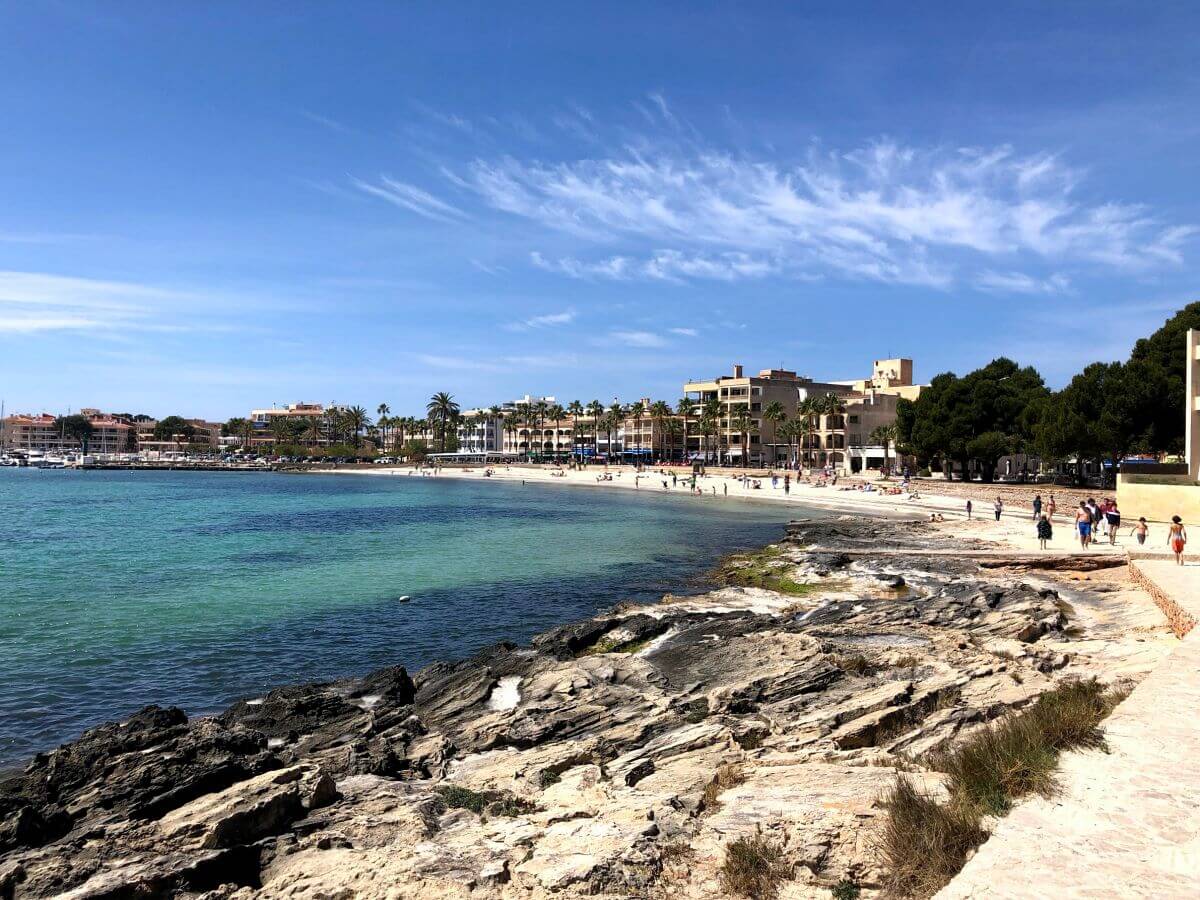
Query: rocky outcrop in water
<point x="613" y="757"/>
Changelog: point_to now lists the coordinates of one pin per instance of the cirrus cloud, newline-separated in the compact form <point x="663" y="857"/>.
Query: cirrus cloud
<point x="884" y="212"/>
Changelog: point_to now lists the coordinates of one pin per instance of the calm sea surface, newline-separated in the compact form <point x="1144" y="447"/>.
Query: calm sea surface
<point x="119" y="589"/>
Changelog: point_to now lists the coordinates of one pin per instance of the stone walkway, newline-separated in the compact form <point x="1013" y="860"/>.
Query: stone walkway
<point x="1126" y="823"/>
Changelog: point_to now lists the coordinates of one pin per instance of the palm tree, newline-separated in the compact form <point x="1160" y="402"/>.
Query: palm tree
<point x="660" y="414"/>
<point x="524" y="415"/>
<point x="540" y="410"/>
<point x="774" y="413"/>
<point x="356" y="421"/>
<point x="635" y="412"/>
<point x="575" y="411"/>
<point x="832" y="405"/>
<point x="383" y="411"/>
<point x="792" y="430"/>
<point x="496" y="413"/>
<point x="674" y="429"/>
<point x="807" y="410"/>
<point x="556" y="414"/>
<point x="441" y="411"/>
<point x="595" y="409"/>
<point x="312" y="431"/>
<point x="616" y="415"/>
<point x="711" y="415"/>
<point x="739" y="421"/>
<point x="236" y="427"/>
<point x="884" y="436"/>
<point x="686" y="407"/>
<point x="279" y="431"/>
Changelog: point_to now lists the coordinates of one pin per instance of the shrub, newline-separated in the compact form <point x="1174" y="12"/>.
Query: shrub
<point x="494" y="803"/>
<point x="857" y="664"/>
<point x="1018" y="755"/>
<point x="726" y="776"/>
<point x="924" y="842"/>
<point x="846" y="890"/>
<point x="754" y="867"/>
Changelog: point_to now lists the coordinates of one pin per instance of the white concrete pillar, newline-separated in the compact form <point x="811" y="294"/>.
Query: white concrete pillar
<point x="1192" y="424"/>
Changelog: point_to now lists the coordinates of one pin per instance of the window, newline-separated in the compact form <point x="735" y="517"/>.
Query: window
<point x="854" y="420"/>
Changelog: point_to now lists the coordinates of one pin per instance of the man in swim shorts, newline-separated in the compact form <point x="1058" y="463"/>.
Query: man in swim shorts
<point x="1083" y="521"/>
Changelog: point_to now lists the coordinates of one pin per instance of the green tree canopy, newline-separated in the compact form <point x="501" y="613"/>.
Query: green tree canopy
<point x="76" y="427"/>
<point x="1158" y="364"/>
<point x="166" y="429"/>
<point x="960" y="419"/>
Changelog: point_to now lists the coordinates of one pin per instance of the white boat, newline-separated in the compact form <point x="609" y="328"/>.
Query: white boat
<point x="38" y="459"/>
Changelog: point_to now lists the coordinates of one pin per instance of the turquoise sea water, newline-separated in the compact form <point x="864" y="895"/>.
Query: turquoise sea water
<point x="119" y="589"/>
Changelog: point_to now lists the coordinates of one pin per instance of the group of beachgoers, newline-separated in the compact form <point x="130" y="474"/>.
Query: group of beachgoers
<point x="1093" y="520"/>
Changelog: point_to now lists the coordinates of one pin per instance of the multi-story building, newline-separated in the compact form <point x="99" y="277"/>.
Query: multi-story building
<point x="890" y="376"/>
<point x="838" y="436"/>
<point x="39" y="432"/>
<point x="261" y="419"/>
<point x="480" y="431"/>
<point x="646" y="436"/>
<point x="26" y="431"/>
<point x="199" y="433"/>
<point x="752" y="394"/>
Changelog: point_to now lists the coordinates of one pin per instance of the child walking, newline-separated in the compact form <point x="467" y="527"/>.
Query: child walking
<point x="1045" y="531"/>
<point x="1177" y="538"/>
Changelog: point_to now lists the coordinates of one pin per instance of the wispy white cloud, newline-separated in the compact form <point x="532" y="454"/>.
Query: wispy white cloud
<point x="637" y="338"/>
<point x="42" y="237"/>
<point x="662" y="265"/>
<point x="476" y="363"/>
<point x="331" y="124"/>
<point x="685" y="332"/>
<point x="453" y="120"/>
<point x="547" y="320"/>
<point x="410" y="197"/>
<point x="1020" y="283"/>
<point x="33" y="302"/>
<point x="884" y="212"/>
<point x="489" y="268"/>
<point x="25" y="323"/>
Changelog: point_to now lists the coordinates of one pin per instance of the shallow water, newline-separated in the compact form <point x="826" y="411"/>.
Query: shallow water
<point x="119" y="589"/>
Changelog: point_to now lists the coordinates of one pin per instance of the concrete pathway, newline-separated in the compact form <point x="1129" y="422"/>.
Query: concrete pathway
<point x="1127" y="822"/>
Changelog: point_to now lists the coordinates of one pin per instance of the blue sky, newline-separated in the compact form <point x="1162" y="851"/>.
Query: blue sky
<point x="210" y="207"/>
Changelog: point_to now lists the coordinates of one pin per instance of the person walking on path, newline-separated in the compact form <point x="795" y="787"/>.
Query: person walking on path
<point x="1045" y="531"/>
<point x="1083" y="522"/>
<point x="1050" y="508"/>
<point x="1140" y="530"/>
<point x="787" y="484"/>
<point x="968" y="510"/>
<point x="1177" y="538"/>
<point x="998" y="506"/>
<point x="1113" y="516"/>
<point x="1037" y="507"/>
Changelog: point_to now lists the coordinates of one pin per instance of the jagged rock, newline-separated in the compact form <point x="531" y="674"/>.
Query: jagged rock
<point x="740" y="710"/>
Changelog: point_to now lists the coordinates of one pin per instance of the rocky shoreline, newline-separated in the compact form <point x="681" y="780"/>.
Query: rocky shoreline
<point x="618" y="756"/>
